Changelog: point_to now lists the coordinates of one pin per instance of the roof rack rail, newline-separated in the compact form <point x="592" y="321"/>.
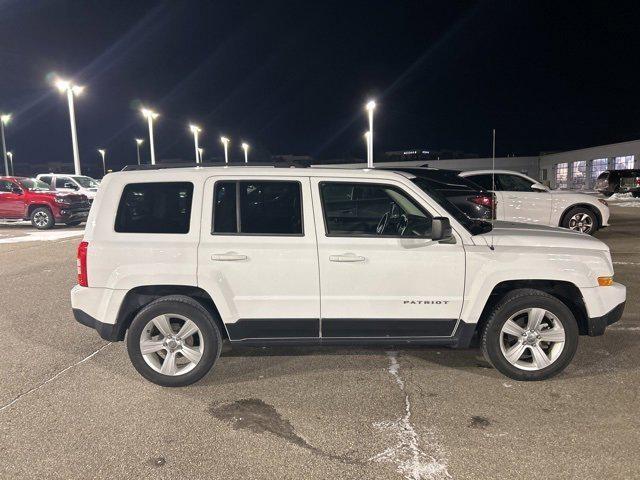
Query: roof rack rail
<point x="161" y="166"/>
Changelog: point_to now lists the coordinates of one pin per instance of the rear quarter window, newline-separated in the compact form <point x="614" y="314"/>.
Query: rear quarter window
<point x="162" y="207"/>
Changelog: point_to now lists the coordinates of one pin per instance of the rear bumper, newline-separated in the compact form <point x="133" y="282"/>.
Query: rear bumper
<point x="597" y="325"/>
<point x="105" y="330"/>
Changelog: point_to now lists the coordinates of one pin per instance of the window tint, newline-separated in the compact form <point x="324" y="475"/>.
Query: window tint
<point x="155" y="208"/>
<point x="264" y="208"/>
<point x="225" y="219"/>
<point x="61" y="181"/>
<point x="366" y="209"/>
<point x="6" y="186"/>
<point x="46" y="179"/>
<point x="484" y="181"/>
<point x="513" y="183"/>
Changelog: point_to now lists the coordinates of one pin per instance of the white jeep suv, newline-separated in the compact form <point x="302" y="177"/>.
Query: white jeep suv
<point x="522" y="199"/>
<point x="180" y="259"/>
<point x="71" y="183"/>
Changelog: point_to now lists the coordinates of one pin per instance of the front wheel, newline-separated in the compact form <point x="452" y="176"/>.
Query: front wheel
<point x="173" y="341"/>
<point x="582" y="220"/>
<point x="42" y="218"/>
<point x="530" y="335"/>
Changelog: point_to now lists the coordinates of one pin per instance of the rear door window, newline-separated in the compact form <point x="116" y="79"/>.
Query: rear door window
<point x="46" y="179"/>
<point x="513" y="183"/>
<point x="484" y="181"/>
<point x="257" y="208"/>
<point x="162" y="207"/>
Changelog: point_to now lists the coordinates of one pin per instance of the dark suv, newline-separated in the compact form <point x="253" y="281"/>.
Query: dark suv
<point x="472" y="200"/>
<point x="619" y="181"/>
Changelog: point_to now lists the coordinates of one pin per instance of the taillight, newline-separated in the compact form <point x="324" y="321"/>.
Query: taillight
<point x="83" y="280"/>
<point x="638" y="181"/>
<point x="484" y="200"/>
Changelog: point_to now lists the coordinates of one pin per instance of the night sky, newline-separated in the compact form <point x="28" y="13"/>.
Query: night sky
<point x="292" y="77"/>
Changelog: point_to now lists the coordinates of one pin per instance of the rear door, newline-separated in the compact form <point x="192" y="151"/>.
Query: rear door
<point x="258" y="257"/>
<point x="381" y="276"/>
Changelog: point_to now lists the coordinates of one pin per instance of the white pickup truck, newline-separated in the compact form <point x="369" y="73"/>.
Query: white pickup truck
<point x="180" y="259"/>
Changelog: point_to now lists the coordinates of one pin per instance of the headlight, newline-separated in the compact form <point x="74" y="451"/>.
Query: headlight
<point x="61" y="200"/>
<point x="603" y="201"/>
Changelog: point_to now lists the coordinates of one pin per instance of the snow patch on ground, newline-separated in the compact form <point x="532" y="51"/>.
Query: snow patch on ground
<point x="410" y="459"/>
<point x="626" y="263"/>
<point x="43" y="236"/>
<point x="624" y="200"/>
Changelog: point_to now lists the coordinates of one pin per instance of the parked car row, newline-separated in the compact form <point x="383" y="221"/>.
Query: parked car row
<point x="40" y="202"/>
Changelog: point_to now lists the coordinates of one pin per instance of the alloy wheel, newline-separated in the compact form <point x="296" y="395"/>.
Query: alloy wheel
<point x="171" y="344"/>
<point x="41" y="219"/>
<point x="532" y="339"/>
<point x="581" y="222"/>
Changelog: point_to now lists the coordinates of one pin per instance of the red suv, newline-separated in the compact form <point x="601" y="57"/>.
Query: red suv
<point x="30" y="199"/>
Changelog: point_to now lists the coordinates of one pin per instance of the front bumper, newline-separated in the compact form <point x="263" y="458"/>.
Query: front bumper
<point x="67" y="215"/>
<point x="597" y="325"/>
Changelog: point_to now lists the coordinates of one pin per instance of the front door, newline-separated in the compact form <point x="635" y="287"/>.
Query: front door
<point x="11" y="203"/>
<point x="380" y="274"/>
<point x="258" y="259"/>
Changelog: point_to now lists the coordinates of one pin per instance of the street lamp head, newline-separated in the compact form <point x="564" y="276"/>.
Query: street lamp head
<point x="102" y="151"/>
<point x="245" y="146"/>
<point x="139" y="141"/>
<point x="367" y="134"/>
<point x="147" y="113"/>
<point x="62" y="85"/>
<point x="77" y="89"/>
<point x="371" y="105"/>
<point x="224" y="140"/>
<point x="5" y="118"/>
<point x="195" y="129"/>
<point x="10" y="155"/>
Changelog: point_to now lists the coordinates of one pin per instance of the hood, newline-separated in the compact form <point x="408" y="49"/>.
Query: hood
<point x="71" y="197"/>
<point x="512" y="234"/>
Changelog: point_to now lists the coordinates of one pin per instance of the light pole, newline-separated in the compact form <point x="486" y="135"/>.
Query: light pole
<point x="367" y="141"/>
<point x="200" y="152"/>
<point x="65" y="86"/>
<point x="139" y="141"/>
<point x="196" y="130"/>
<point x="102" y="153"/>
<point x="245" y="147"/>
<point x="150" y="115"/>
<point x="10" y="155"/>
<point x="370" y="107"/>
<point x="225" y="142"/>
<point x="4" y="119"/>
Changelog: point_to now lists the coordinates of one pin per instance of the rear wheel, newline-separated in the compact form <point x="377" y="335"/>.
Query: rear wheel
<point x="530" y="335"/>
<point x="581" y="219"/>
<point x="173" y="341"/>
<point x="42" y="218"/>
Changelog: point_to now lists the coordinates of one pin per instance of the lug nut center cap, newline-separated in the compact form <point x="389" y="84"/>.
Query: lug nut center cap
<point x="172" y="344"/>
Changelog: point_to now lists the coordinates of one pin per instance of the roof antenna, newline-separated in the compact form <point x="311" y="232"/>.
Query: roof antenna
<point x="493" y="181"/>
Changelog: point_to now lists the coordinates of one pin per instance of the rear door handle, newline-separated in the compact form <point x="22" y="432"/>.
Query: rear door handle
<point x="346" y="258"/>
<point x="227" y="257"/>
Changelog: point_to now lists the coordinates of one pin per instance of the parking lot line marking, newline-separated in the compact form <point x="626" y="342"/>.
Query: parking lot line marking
<point x="42" y="236"/>
<point x="38" y="387"/>
<point x="411" y="461"/>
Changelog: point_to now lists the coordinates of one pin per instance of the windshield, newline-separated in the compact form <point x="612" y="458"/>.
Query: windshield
<point x="86" y="182"/>
<point x="35" y="185"/>
<point x="474" y="226"/>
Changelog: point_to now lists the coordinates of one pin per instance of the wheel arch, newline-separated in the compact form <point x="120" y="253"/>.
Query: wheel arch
<point x="139" y="297"/>
<point x="567" y="292"/>
<point x="33" y="206"/>
<point x="588" y="206"/>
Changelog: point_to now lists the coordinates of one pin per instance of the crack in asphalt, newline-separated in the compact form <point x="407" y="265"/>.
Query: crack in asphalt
<point x="61" y="372"/>
<point x="410" y="459"/>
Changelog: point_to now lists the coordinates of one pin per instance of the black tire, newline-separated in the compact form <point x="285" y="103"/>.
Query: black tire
<point x="186" y="307"/>
<point x="73" y="224"/>
<point x="42" y="218"/>
<point x="512" y="303"/>
<point x="566" y="220"/>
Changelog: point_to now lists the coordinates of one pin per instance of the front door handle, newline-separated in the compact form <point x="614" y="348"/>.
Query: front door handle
<point x="227" y="257"/>
<point x="350" y="257"/>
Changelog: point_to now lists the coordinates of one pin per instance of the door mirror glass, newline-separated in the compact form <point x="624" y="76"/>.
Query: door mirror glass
<point x="440" y="229"/>
<point x="539" y="187"/>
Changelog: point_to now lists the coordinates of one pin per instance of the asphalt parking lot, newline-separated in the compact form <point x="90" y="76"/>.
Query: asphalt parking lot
<point x="72" y="406"/>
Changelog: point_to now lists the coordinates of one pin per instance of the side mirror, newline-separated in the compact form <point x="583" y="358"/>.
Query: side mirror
<point x="17" y="190"/>
<point x="440" y="229"/>
<point x="539" y="187"/>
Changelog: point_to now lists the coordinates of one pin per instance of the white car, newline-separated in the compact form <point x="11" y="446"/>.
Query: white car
<point x="71" y="183"/>
<point x="180" y="259"/>
<point x="523" y="199"/>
